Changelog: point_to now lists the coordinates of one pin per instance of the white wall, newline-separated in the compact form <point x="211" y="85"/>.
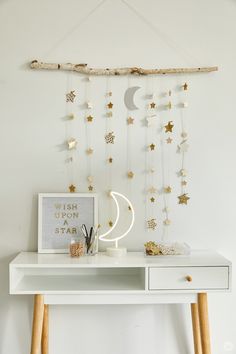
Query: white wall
<point x="32" y="105"/>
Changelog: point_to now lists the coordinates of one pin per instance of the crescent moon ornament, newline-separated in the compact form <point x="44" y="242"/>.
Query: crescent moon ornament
<point x="115" y="251"/>
<point x="129" y="98"/>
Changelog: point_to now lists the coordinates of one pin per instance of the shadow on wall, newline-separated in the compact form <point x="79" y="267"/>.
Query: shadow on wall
<point x="13" y="319"/>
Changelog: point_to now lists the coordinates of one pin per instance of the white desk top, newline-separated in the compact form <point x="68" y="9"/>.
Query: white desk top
<point x="132" y="259"/>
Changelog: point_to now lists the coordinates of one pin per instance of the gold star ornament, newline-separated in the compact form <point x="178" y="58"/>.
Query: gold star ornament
<point x="152" y="105"/>
<point x="152" y="190"/>
<point x="130" y="175"/>
<point x="167" y="189"/>
<point x="71" y="144"/>
<point x="90" y="119"/>
<point x="151" y="224"/>
<point x="183" y="172"/>
<point x="152" y="147"/>
<point x="90" y="179"/>
<point x="152" y="199"/>
<point x="110" y="223"/>
<point x="130" y="120"/>
<point x="169" y="140"/>
<point x="110" y="138"/>
<point x="167" y="222"/>
<point x="90" y="188"/>
<point x="183" y="198"/>
<point x="89" y="151"/>
<point x="110" y="105"/>
<point x="185" y="86"/>
<point x="109" y="114"/>
<point x="169" y="127"/>
<point x="72" y="188"/>
<point x="183" y="146"/>
<point x="70" y="96"/>
<point x="71" y="116"/>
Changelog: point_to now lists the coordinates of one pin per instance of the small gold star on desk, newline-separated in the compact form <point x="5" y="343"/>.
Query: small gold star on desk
<point x="152" y="105"/>
<point x="130" y="120"/>
<point x="110" y="223"/>
<point x="167" y="189"/>
<point x="72" y="188"/>
<point x="151" y="224"/>
<point x="89" y="151"/>
<point x="71" y="144"/>
<point x="184" y="183"/>
<point x="70" y="96"/>
<point x="90" y="188"/>
<point x="152" y="199"/>
<point x="130" y="174"/>
<point x="169" y="140"/>
<point x="110" y="105"/>
<point x="185" y="86"/>
<point x="183" y="198"/>
<point x="152" y="147"/>
<point x="90" y="118"/>
<point x="169" y="127"/>
<point x="110" y="159"/>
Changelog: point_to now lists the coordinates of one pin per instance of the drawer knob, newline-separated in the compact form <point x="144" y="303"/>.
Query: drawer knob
<point x="189" y="278"/>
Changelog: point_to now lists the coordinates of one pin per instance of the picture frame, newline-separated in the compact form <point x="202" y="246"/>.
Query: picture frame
<point x="60" y="216"/>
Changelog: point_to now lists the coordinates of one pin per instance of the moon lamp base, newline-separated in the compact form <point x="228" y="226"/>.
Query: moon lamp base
<point x="116" y="252"/>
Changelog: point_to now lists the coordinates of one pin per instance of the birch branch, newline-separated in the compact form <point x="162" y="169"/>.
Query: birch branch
<point x="84" y="69"/>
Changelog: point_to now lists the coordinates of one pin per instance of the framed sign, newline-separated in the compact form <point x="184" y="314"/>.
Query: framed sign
<point x="60" y="217"/>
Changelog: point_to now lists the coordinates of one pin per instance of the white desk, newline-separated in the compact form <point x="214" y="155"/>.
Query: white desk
<point x="133" y="279"/>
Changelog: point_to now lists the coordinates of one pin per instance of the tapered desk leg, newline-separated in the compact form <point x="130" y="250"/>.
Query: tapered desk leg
<point x="37" y="324"/>
<point x="45" y="331"/>
<point x="204" y="323"/>
<point x="196" y="329"/>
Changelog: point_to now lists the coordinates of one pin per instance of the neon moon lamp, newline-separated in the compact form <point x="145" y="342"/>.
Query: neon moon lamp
<point x="116" y="251"/>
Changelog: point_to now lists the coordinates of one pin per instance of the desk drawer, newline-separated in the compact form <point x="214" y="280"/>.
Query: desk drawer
<point x="187" y="278"/>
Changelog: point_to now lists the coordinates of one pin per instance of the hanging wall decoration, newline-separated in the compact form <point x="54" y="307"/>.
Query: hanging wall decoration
<point x="71" y="142"/>
<point x="151" y="151"/>
<point x="109" y="143"/>
<point x="183" y="146"/>
<point x="89" y="120"/>
<point x="160" y="144"/>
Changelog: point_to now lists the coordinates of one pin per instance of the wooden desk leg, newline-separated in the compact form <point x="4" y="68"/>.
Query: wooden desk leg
<point x="196" y="329"/>
<point x="37" y="324"/>
<point x="44" y="343"/>
<point x="204" y="323"/>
